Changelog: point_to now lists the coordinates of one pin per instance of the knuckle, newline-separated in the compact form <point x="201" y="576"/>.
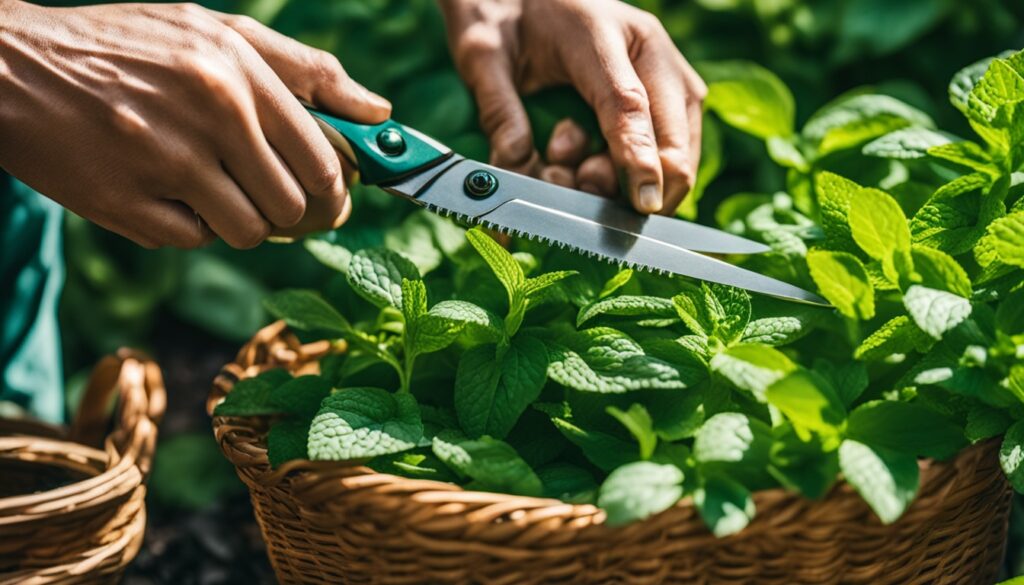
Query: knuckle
<point x="253" y="234"/>
<point x="128" y="122"/>
<point x="290" y="210"/>
<point x="676" y="164"/>
<point x="648" y="24"/>
<point x="478" y="40"/>
<point x="326" y="181"/>
<point x="629" y="101"/>
<point x="326" y="68"/>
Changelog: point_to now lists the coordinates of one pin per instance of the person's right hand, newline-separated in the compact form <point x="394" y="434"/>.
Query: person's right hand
<point x="146" y="118"/>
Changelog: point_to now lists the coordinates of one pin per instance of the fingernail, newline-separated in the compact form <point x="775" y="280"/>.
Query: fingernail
<point x="650" y="198"/>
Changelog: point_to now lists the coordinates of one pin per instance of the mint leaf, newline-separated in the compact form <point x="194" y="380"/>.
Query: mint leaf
<point x="897" y="336"/>
<point x="951" y="220"/>
<point x="639" y="424"/>
<point x="693" y="306"/>
<point x="494" y="386"/>
<point x="775" y="331"/>
<point x="535" y="285"/>
<point x="842" y="280"/>
<point x="300" y="396"/>
<point x="800" y="465"/>
<point x="1008" y="238"/>
<point x="725" y="505"/>
<point x="377" y="274"/>
<point x="886" y="480"/>
<point x="330" y="255"/>
<point x="835" y="194"/>
<point x="935" y="311"/>
<point x="906" y="143"/>
<point x="984" y="422"/>
<point x="287" y="441"/>
<point x="878" y="224"/>
<point x="905" y="428"/>
<point x="809" y="402"/>
<point x="732" y="438"/>
<point x="939" y="270"/>
<point x="849" y="380"/>
<point x="626" y="306"/>
<point x="850" y="121"/>
<point x="359" y="423"/>
<point x="718" y="310"/>
<point x="752" y="367"/>
<point x="493" y="465"/>
<point x="675" y="415"/>
<point x="749" y="98"/>
<point x="1000" y="88"/>
<point x="639" y="490"/>
<point x="251" y="396"/>
<point x="1011" y="456"/>
<point x="967" y="154"/>
<point x="730" y="311"/>
<point x="604" y="360"/>
<point x="569" y="483"/>
<point x="307" y="310"/>
<point x="603" y="450"/>
<point x="508" y="272"/>
<point x="616" y="282"/>
<point x="424" y="332"/>
<point x="488" y="325"/>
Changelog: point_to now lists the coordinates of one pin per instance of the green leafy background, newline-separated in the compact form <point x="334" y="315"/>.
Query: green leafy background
<point x="783" y="159"/>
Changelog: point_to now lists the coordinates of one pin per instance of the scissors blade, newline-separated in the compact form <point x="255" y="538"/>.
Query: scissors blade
<point x="684" y="234"/>
<point x="523" y="206"/>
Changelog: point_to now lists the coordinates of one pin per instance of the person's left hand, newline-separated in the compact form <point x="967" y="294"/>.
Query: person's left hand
<point x="619" y="58"/>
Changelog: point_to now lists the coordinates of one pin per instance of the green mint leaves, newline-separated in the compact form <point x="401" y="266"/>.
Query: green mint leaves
<point x="506" y="365"/>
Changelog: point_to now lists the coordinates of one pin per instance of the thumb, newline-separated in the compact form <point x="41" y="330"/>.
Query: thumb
<point x="311" y="74"/>
<point x="502" y="114"/>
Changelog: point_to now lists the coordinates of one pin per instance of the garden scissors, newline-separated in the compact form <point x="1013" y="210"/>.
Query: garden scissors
<point x="407" y="163"/>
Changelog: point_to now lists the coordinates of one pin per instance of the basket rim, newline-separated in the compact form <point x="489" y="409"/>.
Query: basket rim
<point x="120" y="458"/>
<point x="245" y="436"/>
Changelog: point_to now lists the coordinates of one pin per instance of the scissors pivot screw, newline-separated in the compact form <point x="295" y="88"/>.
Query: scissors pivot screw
<point x="390" y="142"/>
<point x="480" y="184"/>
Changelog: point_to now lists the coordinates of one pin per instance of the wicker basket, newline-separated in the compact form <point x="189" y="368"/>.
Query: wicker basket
<point x="71" y="502"/>
<point x="338" y="523"/>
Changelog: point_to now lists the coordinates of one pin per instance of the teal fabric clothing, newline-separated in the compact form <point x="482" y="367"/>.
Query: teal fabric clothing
<point x="31" y="277"/>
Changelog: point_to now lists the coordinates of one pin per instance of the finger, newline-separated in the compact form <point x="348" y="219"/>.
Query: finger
<point x="605" y="77"/>
<point x="597" y="175"/>
<point x="256" y="167"/>
<point x="311" y="74"/>
<point x="660" y="69"/>
<point x="696" y="91"/>
<point x="559" y="175"/>
<point x="568" y="144"/>
<point x="488" y="73"/>
<point x="295" y="139"/>
<point x="171" y="223"/>
<point x="228" y="212"/>
<point x="322" y="214"/>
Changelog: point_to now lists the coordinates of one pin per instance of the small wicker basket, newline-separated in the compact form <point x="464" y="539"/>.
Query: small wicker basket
<point x="329" y="522"/>
<point x="72" y="502"/>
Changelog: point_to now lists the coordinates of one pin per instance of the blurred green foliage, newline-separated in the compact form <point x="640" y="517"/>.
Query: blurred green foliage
<point x="117" y="293"/>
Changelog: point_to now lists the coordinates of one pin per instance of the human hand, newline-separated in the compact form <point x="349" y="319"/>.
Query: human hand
<point x="620" y="59"/>
<point x="145" y="118"/>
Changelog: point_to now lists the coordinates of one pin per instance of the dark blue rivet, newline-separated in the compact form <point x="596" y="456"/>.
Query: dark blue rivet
<point x="390" y="142"/>
<point x="480" y="184"/>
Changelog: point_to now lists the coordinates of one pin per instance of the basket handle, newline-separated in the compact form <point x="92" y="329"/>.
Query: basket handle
<point x="137" y="382"/>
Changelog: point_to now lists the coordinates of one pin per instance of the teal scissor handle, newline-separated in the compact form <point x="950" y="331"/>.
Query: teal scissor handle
<point x="383" y="152"/>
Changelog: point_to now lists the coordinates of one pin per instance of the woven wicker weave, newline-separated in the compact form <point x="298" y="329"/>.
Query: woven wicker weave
<point x="327" y="522"/>
<point x="72" y="507"/>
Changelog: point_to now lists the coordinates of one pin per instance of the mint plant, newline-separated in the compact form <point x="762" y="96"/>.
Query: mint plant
<point x="529" y="370"/>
